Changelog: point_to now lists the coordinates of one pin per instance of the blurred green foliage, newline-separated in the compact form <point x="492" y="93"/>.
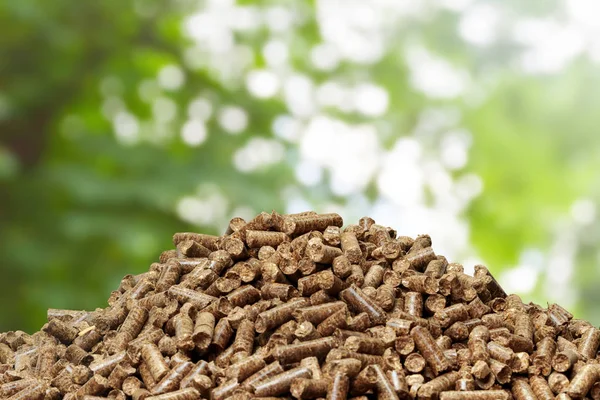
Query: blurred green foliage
<point x="79" y="208"/>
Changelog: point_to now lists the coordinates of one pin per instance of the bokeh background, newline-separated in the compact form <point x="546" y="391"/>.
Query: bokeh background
<point x="123" y="121"/>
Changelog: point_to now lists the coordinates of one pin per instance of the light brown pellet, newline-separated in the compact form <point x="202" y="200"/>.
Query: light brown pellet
<point x="429" y="349"/>
<point x="182" y="394"/>
<point x="362" y="303"/>
<point x="541" y="388"/>
<point x="475" y="395"/>
<point x="558" y="382"/>
<point x="157" y="365"/>
<point x="305" y="388"/>
<point x="279" y="384"/>
<point x="521" y="390"/>
<point x="584" y="379"/>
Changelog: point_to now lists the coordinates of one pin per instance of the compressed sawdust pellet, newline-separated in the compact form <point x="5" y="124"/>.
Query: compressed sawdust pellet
<point x="297" y="306"/>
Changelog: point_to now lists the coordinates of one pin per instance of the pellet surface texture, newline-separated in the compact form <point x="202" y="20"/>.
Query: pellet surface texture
<point x="301" y="306"/>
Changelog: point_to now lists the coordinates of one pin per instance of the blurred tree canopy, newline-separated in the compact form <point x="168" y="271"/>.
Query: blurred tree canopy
<point x="122" y="122"/>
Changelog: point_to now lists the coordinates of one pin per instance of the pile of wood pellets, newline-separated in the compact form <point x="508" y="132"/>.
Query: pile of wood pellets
<point x="295" y="306"/>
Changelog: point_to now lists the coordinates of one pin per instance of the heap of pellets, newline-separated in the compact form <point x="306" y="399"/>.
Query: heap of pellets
<point x="294" y="306"/>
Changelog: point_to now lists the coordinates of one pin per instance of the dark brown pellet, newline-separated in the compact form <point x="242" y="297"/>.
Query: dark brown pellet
<point x="281" y="291"/>
<point x="312" y="363"/>
<point x="421" y="283"/>
<point x="452" y="314"/>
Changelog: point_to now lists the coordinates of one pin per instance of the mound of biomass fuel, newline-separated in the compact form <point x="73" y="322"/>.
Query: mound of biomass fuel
<point x="295" y="306"/>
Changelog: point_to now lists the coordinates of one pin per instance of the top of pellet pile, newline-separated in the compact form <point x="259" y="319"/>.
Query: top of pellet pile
<point x="295" y="305"/>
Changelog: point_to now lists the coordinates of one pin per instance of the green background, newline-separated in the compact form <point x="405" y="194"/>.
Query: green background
<point x="95" y="175"/>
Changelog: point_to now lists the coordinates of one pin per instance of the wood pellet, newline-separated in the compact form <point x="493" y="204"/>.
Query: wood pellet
<point x="299" y="306"/>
